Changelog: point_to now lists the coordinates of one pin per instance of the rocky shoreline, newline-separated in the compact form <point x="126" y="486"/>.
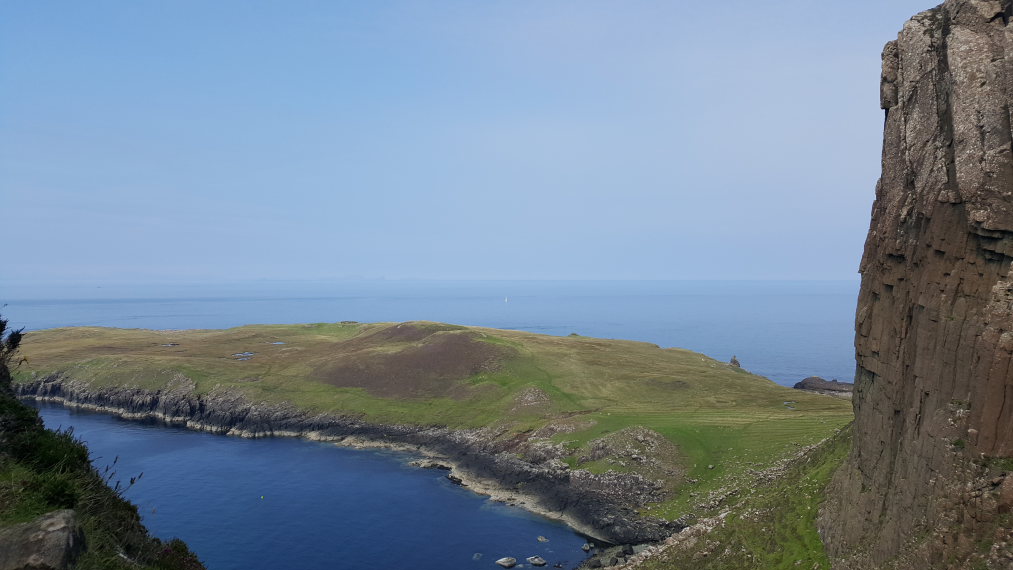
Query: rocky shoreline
<point x="602" y="506"/>
<point x="834" y="388"/>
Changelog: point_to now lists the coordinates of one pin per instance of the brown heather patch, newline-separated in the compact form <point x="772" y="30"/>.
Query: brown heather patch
<point x="413" y="361"/>
<point x="402" y="332"/>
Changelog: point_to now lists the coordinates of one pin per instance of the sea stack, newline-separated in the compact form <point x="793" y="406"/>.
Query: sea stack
<point x="929" y="482"/>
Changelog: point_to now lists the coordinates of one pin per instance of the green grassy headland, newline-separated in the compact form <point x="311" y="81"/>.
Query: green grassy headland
<point x="723" y="422"/>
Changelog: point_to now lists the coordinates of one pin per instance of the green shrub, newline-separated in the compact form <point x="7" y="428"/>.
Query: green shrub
<point x="57" y="490"/>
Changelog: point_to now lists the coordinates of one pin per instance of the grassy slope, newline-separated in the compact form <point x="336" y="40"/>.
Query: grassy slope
<point x="770" y="524"/>
<point x="715" y="414"/>
<point x="42" y="471"/>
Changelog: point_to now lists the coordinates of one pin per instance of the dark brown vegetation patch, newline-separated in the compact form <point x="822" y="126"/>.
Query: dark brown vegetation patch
<point x="413" y="361"/>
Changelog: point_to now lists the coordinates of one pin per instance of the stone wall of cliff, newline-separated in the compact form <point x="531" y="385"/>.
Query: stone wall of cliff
<point x="926" y="484"/>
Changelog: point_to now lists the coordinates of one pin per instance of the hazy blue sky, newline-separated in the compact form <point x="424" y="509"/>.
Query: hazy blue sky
<point x="297" y="139"/>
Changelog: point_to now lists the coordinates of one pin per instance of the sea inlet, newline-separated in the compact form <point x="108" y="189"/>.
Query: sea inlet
<point x="248" y="504"/>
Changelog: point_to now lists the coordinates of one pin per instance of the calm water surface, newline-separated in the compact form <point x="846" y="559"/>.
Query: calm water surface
<point x="323" y="507"/>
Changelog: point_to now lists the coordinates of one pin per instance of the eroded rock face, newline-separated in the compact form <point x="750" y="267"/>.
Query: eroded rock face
<point x="934" y="328"/>
<point x="50" y="542"/>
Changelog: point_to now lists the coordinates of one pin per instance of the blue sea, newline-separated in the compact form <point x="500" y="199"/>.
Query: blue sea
<point x="324" y="507"/>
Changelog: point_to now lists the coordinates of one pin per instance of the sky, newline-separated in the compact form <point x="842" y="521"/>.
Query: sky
<point x="196" y="141"/>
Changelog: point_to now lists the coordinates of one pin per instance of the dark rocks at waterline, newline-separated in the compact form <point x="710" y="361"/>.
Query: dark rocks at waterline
<point x="427" y="463"/>
<point x="604" y="505"/>
<point x="827" y="387"/>
<point x="614" y="555"/>
<point x="54" y="540"/>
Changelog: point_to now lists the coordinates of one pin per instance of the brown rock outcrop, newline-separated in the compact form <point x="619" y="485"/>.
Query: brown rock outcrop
<point x="50" y="542"/>
<point x="934" y="327"/>
<point x="827" y="387"/>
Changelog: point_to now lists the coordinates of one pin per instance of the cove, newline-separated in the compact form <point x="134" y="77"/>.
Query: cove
<point x="248" y="504"/>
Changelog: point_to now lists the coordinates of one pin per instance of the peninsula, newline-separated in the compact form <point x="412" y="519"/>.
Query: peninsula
<point x="625" y="440"/>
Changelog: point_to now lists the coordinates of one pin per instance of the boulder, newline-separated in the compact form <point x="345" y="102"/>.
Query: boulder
<point x="507" y="562"/>
<point x="51" y="542"/>
<point x="536" y="561"/>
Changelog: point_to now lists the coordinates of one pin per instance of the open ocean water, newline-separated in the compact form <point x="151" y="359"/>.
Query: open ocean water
<point x="324" y="507"/>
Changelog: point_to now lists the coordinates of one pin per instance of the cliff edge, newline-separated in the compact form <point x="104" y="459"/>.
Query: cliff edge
<point x="929" y="482"/>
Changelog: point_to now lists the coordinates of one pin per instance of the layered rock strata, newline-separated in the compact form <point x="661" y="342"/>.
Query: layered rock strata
<point x="925" y="485"/>
<point x="601" y="505"/>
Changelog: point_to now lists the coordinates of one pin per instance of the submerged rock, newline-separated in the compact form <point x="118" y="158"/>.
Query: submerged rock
<point x="536" y="561"/>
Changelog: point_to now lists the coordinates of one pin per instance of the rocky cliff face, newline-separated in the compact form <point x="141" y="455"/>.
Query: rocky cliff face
<point x="928" y="483"/>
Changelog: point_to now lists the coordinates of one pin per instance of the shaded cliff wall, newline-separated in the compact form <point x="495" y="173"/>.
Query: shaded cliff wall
<point x="925" y="483"/>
